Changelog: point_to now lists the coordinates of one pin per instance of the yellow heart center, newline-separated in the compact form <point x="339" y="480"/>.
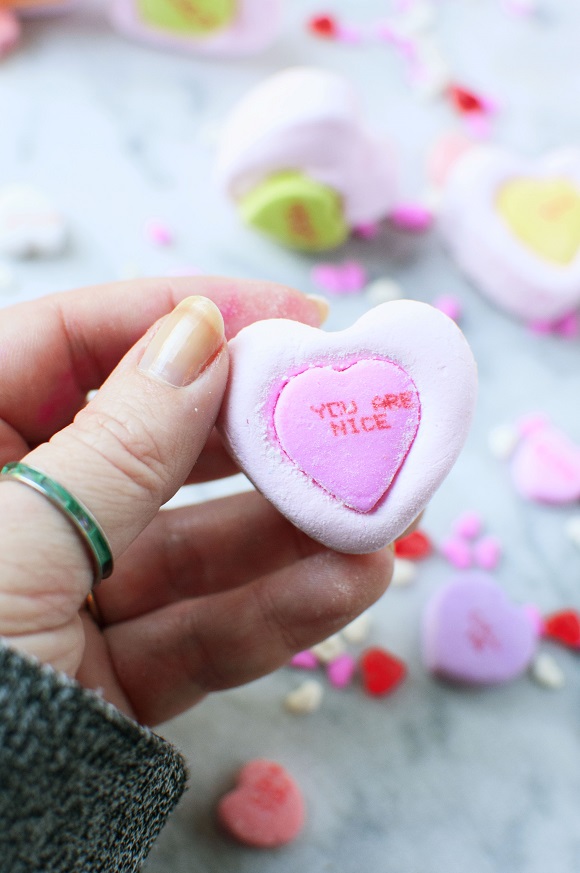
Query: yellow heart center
<point x="544" y="215"/>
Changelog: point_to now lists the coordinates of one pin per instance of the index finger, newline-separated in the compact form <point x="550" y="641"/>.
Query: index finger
<point x="56" y="349"/>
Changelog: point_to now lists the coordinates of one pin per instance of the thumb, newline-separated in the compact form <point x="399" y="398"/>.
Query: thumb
<point x="133" y="445"/>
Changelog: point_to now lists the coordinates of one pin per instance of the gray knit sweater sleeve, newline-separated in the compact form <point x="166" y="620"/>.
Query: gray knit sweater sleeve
<point x="83" y="789"/>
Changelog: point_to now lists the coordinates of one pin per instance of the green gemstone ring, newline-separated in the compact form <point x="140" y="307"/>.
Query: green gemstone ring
<point x="84" y="522"/>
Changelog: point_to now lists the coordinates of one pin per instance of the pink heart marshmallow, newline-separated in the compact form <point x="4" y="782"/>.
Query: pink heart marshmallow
<point x="349" y="434"/>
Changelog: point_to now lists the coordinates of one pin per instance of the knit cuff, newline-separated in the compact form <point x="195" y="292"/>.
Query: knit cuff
<point x="82" y="787"/>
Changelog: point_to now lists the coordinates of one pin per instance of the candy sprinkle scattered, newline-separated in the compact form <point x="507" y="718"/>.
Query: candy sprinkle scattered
<point x="487" y="552"/>
<point x="458" y="552"/>
<point x="358" y="630"/>
<point x="382" y="672"/>
<point x="305" y="661"/>
<point x="404" y="573"/>
<point x="328" y="649"/>
<point x="563" y="627"/>
<point x="449" y="306"/>
<point x="304" y="699"/>
<point x="383" y="290"/>
<point x="415" y="546"/>
<point x="347" y="278"/>
<point x="324" y="26"/>
<point x="468" y="525"/>
<point x="546" y="671"/>
<point x="341" y="670"/>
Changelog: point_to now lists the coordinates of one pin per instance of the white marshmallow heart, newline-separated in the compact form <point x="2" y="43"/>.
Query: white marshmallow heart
<point x="513" y="225"/>
<point x="29" y="223"/>
<point x="349" y="434"/>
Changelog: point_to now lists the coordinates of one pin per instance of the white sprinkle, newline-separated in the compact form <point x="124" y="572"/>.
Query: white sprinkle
<point x="329" y="649"/>
<point x="547" y="672"/>
<point x="502" y="441"/>
<point x="383" y="290"/>
<point x="572" y="528"/>
<point x="7" y="280"/>
<point x="358" y="630"/>
<point x="29" y="223"/>
<point x="306" y="698"/>
<point x="404" y="572"/>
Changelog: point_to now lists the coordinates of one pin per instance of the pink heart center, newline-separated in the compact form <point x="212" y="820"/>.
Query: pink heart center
<point x="349" y="429"/>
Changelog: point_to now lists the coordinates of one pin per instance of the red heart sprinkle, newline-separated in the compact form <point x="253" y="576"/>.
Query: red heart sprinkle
<point x="564" y="627"/>
<point x="464" y="100"/>
<point x="323" y="25"/>
<point x="414" y="546"/>
<point x="381" y="671"/>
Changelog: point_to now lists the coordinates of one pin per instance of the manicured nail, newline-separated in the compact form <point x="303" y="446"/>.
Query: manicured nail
<point x="321" y="304"/>
<point x="185" y="343"/>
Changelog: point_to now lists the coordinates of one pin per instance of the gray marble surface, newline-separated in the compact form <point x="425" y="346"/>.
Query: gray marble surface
<point x="433" y="779"/>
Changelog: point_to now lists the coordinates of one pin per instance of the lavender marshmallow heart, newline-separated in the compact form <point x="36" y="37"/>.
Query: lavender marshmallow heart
<point x="349" y="434"/>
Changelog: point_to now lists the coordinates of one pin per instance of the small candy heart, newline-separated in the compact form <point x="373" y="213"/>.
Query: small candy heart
<point x="546" y="467"/>
<point x="324" y="26"/>
<point x="466" y="101"/>
<point x="414" y="546"/>
<point x="266" y="809"/>
<point x="381" y="671"/>
<point x="340" y="278"/>
<point x="563" y="627"/>
<point x="29" y="224"/>
<point x="350" y="434"/>
<point x="473" y="634"/>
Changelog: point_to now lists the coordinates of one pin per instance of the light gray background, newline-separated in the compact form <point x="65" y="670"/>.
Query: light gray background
<point x="433" y="778"/>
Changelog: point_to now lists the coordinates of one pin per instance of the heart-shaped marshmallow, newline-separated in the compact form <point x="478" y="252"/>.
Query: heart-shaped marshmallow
<point x="513" y="226"/>
<point x="350" y="434"/>
<point x="546" y="467"/>
<point x="473" y="634"/>
<point x="265" y="809"/>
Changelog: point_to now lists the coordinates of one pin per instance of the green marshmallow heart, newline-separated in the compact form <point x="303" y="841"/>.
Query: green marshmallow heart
<point x="189" y="17"/>
<point x="297" y="212"/>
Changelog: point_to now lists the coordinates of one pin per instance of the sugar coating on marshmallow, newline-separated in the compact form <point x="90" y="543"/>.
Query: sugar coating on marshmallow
<point x="513" y="225"/>
<point x="309" y="120"/>
<point x="351" y="481"/>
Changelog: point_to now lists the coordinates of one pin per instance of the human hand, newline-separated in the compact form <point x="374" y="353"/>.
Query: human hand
<point x="203" y="597"/>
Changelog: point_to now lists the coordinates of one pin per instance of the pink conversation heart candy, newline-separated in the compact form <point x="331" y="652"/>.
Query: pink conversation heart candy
<point x="349" y="434"/>
<point x="546" y="467"/>
<point x="381" y="406"/>
<point x="341" y="670"/>
<point x="266" y="809"/>
<point x="473" y="634"/>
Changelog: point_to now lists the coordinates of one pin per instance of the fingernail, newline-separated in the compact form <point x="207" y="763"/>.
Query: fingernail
<point x="321" y="304"/>
<point x="185" y="343"/>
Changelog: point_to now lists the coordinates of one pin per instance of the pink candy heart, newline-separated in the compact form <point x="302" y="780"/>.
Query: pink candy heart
<point x="473" y="634"/>
<point x="349" y="430"/>
<point x="546" y="467"/>
<point x="266" y="809"/>
<point x="349" y="434"/>
<point x="346" y="278"/>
